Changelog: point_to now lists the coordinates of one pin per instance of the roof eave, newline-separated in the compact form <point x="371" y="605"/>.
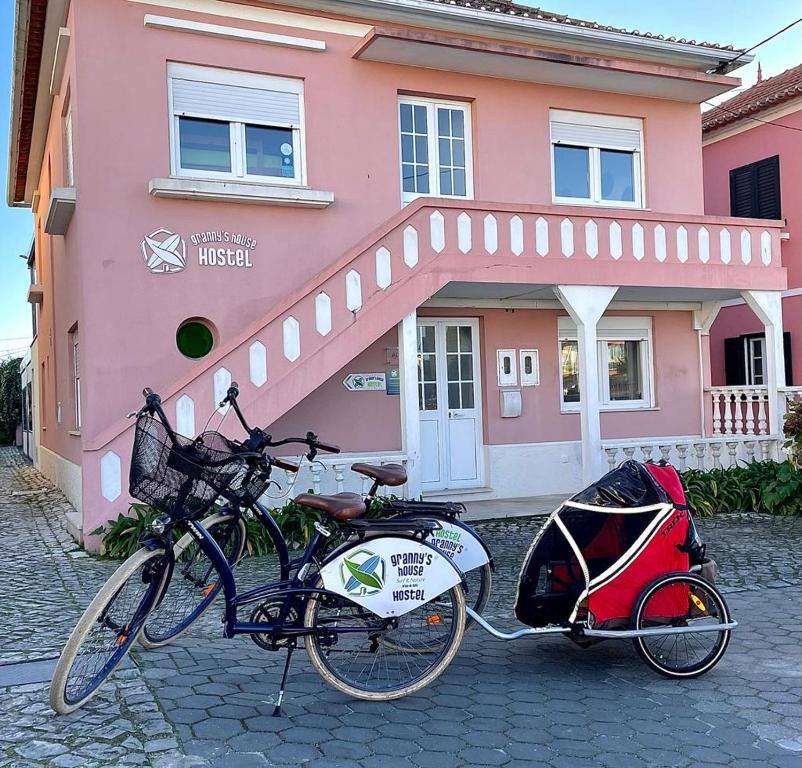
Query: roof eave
<point x="15" y="113"/>
<point x="701" y="57"/>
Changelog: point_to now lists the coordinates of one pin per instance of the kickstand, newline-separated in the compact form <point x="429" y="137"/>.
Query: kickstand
<point x="277" y="710"/>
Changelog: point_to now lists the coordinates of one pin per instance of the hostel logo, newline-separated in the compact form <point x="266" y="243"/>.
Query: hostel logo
<point x="164" y="252"/>
<point x="362" y="573"/>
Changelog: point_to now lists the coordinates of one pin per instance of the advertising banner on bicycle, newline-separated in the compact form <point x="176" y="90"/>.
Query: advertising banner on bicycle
<point x="390" y="576"/>
<point x="460" y="544"/>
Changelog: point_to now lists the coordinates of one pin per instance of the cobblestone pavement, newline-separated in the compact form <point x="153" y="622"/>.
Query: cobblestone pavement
<point x="207" y="702"/>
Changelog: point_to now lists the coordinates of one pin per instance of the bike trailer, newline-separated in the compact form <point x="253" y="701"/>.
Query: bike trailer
<point x="597" y="552"/>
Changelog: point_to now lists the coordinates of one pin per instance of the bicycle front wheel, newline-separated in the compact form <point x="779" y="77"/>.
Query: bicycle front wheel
<point x="195" y="583"/>
<point x="360" y="663"/>
<point x="107" y="629"/>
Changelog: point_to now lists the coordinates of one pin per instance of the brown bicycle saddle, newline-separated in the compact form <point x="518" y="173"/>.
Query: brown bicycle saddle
<point x="341" y="506"/>
<point x="385" y="474"/>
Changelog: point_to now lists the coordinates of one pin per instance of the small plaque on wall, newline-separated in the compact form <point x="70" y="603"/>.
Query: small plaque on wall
<point x="365" y="382"/>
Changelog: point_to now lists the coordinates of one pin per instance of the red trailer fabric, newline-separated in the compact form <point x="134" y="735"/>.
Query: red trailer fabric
<point x="660" y="555"/>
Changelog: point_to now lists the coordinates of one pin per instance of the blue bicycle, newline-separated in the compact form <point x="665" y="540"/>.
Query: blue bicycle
<point x="381" y="615"/>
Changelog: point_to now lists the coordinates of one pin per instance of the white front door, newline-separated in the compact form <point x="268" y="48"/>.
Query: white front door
<point x="450" y="403"/>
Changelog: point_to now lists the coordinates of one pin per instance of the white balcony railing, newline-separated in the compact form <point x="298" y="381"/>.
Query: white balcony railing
<point x="745" y="410"/>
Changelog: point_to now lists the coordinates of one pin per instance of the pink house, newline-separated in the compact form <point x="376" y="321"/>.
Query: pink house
<point x="753" y="164"/>
<point x="469" y="238"/>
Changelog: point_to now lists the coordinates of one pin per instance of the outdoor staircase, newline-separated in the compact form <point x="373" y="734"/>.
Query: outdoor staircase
<point x="320" y="328"/>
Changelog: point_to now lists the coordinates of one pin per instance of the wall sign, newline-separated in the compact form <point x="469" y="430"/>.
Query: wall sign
<point x="220" y="248"/>
<point x="365" y="382"/>
<point x="165" y="251"/>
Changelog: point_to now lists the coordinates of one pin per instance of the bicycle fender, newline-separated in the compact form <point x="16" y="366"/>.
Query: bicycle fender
<point x="460" y="543"/>
<point x="389" y="575"/>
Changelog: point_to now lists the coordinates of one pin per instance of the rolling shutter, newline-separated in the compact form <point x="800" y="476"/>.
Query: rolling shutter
<point x="595" y="136"/>
<point x="755" y="189"/>
<point x="236" y="103"/>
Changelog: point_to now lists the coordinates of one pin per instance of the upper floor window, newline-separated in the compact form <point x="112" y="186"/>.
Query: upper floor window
<point x="238" y="125"/>
<point x="596" y="159"/>
<point x="755" y="189"/>
<point x="76" y="377"/>
<point x="435" y="149"/>
<point x="69" y="163"/>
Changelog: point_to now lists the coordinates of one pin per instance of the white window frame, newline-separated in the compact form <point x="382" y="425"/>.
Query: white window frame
<point x="594" y="159"/>
<point x="76" y="378"/>
<point x="69" y="157"/>
<point x="431" y="106"/>
<point x="609" y="330"/>
<point x="237" y="129"/>
<point x="750" y="342"/>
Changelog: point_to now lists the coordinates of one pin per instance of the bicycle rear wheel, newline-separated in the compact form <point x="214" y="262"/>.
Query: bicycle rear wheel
<point x="361" y="664"/>
<point x="194" y="584"/>
<point x="107" y="629"/>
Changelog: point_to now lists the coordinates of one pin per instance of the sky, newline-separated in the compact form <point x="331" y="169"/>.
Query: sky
<point x="739" y="22"/>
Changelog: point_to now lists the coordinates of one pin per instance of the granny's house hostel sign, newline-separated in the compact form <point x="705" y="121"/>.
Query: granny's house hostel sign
<point x="165" y="252"/>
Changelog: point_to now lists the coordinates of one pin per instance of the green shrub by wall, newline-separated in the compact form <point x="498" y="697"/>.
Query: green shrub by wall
<point x="759" y="486"/>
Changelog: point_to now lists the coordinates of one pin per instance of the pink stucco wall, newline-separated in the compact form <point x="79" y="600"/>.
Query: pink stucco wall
<point x="719" y="158"/>
<point x="371" y="421"/>
<point x="351" y="149"/>
<point x="356" y="421"/>
<point x="60" y="271"/>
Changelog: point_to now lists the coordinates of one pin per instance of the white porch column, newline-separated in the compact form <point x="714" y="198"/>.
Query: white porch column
<point x="586" y="304"/>
<point x="703" y="319"/>
<point x="768" y="306"/>
<point x="410" y="417"/>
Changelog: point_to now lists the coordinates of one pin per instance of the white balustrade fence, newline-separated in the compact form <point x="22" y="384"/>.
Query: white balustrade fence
<point x="329" y="475"/>
<point x="694" y="453"/>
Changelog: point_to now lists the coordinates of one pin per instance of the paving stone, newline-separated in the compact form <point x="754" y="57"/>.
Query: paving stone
<point x="206" y="701"/>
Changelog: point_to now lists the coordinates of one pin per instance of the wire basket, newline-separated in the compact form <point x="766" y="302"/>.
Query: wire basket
<point x="249" y="482"/>
<point x="183" y="479"/>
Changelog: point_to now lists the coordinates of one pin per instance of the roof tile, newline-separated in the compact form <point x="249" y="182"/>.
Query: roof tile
<point x="528" y="11"/>
<point x="767" y="93"/>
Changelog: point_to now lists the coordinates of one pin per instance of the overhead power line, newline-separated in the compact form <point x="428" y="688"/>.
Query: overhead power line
<point x="757" y="45"/>
<point x="755" y="119"/>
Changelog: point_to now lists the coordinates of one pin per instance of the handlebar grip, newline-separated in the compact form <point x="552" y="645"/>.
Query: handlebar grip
<point x="233" y="390"/>
<point x="288" y="466"/>
<point x="327" y="448"/>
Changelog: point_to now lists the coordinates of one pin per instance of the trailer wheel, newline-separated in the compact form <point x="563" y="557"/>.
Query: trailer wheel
<point x="681" y="599"/>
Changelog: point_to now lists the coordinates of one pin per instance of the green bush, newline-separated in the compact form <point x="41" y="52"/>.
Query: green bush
<point x="793" y="431"/>
<point x="770" y="487"/>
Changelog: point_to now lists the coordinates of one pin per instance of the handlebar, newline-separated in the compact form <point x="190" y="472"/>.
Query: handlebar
<point x="287" y="466"/>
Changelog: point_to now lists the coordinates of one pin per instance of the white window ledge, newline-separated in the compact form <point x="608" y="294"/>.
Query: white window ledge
<point x="59" y="210"/>
<point x="240" y="192"/>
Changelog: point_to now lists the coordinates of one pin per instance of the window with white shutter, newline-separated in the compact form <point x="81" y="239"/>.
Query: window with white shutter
<point x="227" y="124"/>
<point x="596" y="159"/>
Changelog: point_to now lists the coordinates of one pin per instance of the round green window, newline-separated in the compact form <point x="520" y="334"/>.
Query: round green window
<point x="194" y="339"/>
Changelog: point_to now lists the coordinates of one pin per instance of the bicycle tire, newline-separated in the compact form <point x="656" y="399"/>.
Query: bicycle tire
<point x="421" y="680"/>
<point x="168" y="621"/>
<point x="61" y="699"/>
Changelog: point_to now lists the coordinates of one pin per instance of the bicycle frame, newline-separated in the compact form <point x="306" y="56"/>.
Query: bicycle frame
<point x="287" y="588"/>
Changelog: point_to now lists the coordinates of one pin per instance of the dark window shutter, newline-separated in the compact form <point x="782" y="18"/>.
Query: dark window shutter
<point x="734" y="362"/>
<point x="755" y="189"/>
<point x="742" y="191"/>
<point x="789" y="371"/>
<point x="767" y="173"/>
